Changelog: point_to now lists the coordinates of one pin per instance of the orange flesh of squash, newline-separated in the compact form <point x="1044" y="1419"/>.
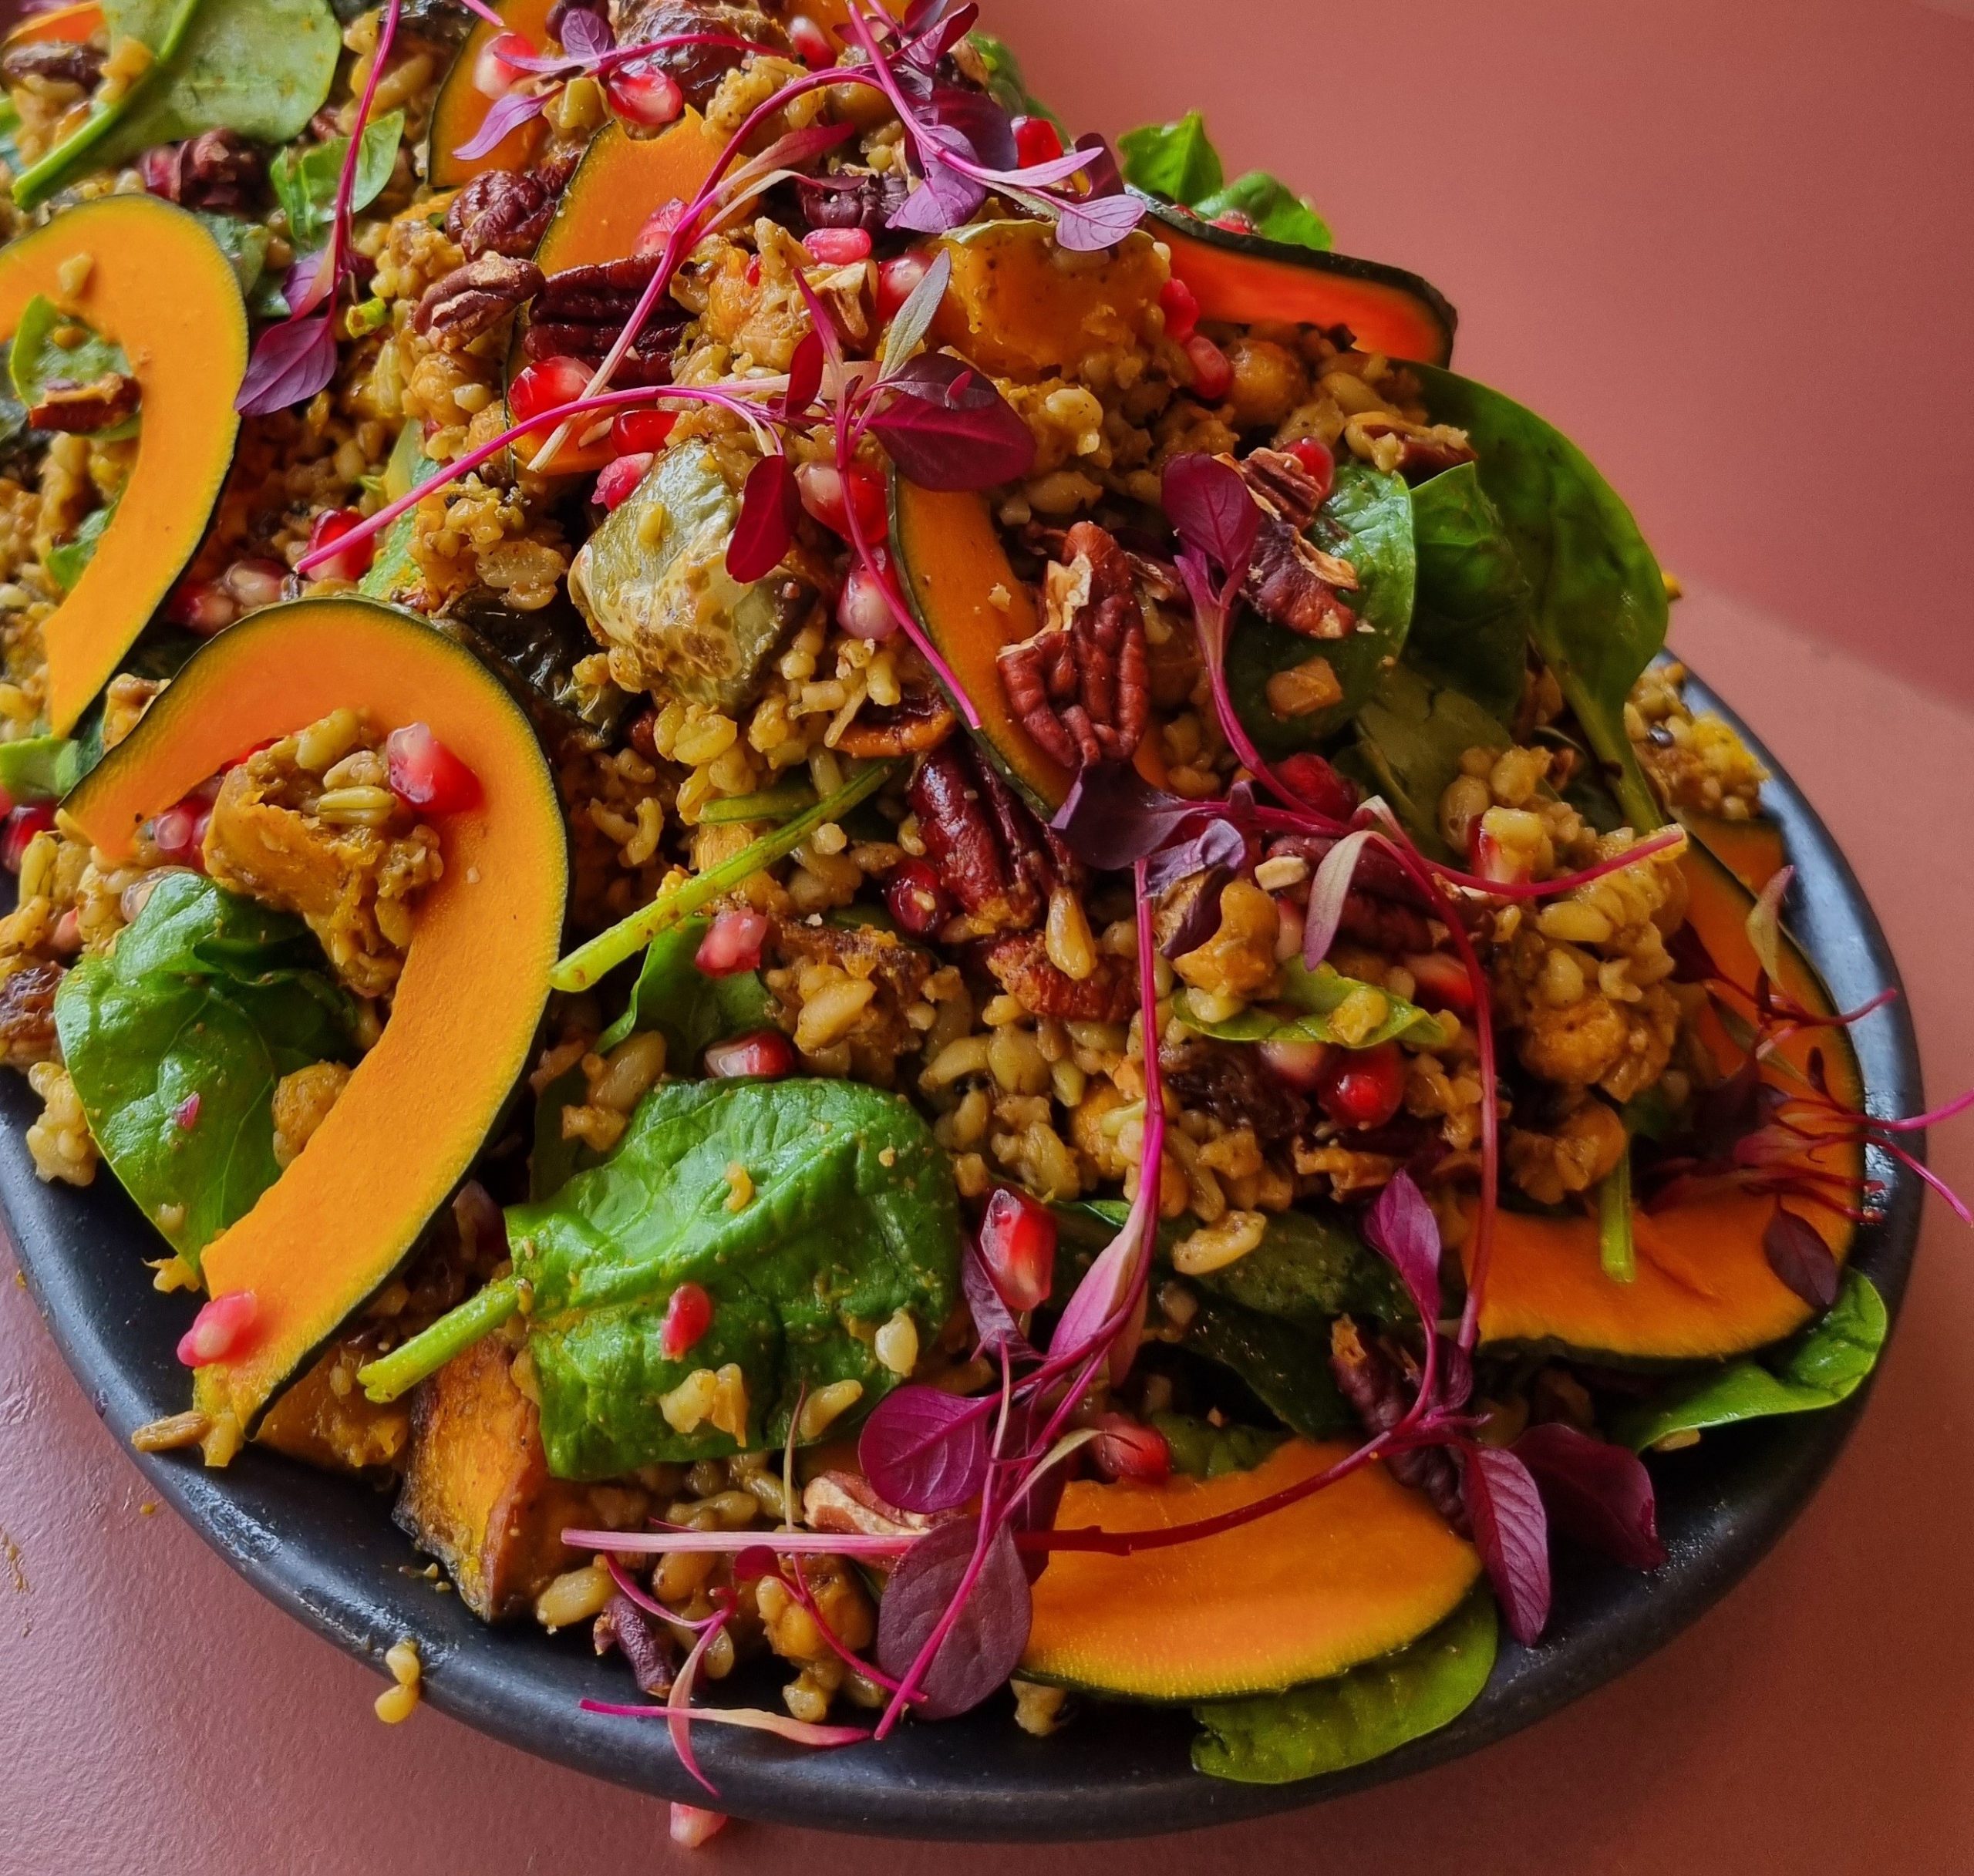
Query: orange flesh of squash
<point x="187" y="347"/>
<point x="1752" y="851"/>
<point x="955" y="572"/>
<point x="1243" y="279"/>
<point x="336" y="1225"/>
<point x="1352" y="1572"/>
<point x="1703" y="1287"/>
<point x="76" y="24"/>
<point x="461" y="106"/>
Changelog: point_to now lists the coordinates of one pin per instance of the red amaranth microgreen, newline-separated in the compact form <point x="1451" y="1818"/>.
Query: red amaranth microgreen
<point x="1795" y="1251"/>
<point x="924" y="1450"/>
<point x="1511" y="1533"/>
<point x="1596" y="1493"/>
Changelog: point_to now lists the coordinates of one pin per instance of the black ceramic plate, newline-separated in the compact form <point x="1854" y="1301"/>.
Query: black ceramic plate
<point x="325" y="1550"/>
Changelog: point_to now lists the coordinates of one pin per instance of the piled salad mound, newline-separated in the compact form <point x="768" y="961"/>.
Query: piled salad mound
<point x="878" y="882"/>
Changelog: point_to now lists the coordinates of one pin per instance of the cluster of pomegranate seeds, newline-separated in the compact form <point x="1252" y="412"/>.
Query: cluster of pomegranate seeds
<point x="648" y="98"/>
<point x="1181" y="309"/>
<point x="1018" y="1248"/>
<point x="353" y="562"/>
<point x="657" y="231"/>
<point x="838" y="247"/>
<point x="732" y="944"/>
<point x="1212" y="374"/>
<point x="1127" y="1449"/>
<point x="916" y="899"/>
<point x="221" y="1329"/>
<point x="179" y="833"/>
<point x="688" y="1316"/>
<point x="1300" y="1065"/>
<point x="1362" y="1087"/>
<point x="822" y="487"/>
<point x="185" y="1116"/>
<point x="426" y="776"/>
<point x="766" y="1054"/>
<point x="1441" y="983"/>
<point x="1316" y="785"/>
<point x="208" y="606"/>
<point x="495" y="73"/>
<point x="1492" y="861"/>
<point x="547" y="385"/>
<point x="23" y="823"/>
<point x="620" y="475"/>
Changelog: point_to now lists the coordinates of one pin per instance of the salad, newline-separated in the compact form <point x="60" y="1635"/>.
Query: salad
<point x="874" y="883"/>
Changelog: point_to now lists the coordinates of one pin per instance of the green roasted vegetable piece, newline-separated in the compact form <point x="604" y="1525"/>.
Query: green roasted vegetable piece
<point x="40" y="768"/>
<point x="36" y="362"/>
<point x="1470" y="619"/>
<point x="1177" y="161"/>
<point x="1410" y="737"/>
<point x="1367" y="521"/>
<point x="1598" y="608"/>
<point x="394" y="572"/>
<point x="1329" y="1726"/>
<point x="175" y="1039"/>
<point x="1827" y="1363"/>
<point x="852" y="1219"/>
<point x="1285" y="1366"/>
<point x="676" y="620"/>
<point x="1201" y="1451"/>
<point x="262" y="68"/>
<point x="1302" y="1010"/>
<point x="67" y="559"/>
<point x="689" y="1008"/>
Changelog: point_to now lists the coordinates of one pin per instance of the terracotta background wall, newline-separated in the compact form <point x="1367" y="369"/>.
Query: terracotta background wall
<point x="1726" y="245"/>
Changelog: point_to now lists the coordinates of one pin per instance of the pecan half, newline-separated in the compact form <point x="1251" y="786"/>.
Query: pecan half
<point x="1291" y="581"/>
<point x="1019" y="964"/>
<point x="869" y="203"/>
<point x="998" y="862"/>
<point x="1081" y="687"/>
<point x="1379" y="1395"/>
<point x="217" y="170"/>
<point x="699" y="68"/>
<point x="646" y="1644"/>
<point x="27" y="1013"/>
<point x="59" y="62"/>
<point x="503" y="211"/>
<point x="1227" y="1081"/>
<point x="920" y="720"/>
<point x="579" y="312"/>
<point x="84" y="409"/>
<point x="474" y="298"/>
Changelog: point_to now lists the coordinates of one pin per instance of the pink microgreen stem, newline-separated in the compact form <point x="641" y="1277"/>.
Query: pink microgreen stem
<point x="990" y="1521"/>
<point x="837" y="1646"/>
<point x="782" y="1543"/>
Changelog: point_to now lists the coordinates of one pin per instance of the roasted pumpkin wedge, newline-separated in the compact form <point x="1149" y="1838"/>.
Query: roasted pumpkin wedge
<point x="963" y="590"/>
<point x="1243" y="278"/>
<point x="103" y="261"/>
<point x="75" y="23"/>
<point x="1350" y="1573"/>
<point x="1703" y="1286"/>
<point x="336" y="1224"/>
<point x="460" y="107"/>
<point x="1752" y="851"/>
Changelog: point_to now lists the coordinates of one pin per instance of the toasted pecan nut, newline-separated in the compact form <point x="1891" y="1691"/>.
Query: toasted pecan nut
<point x="27" y="1013"/>
<point x="60" y="61"/>
<point x="998" y="862"/>
<point x="868" y="204"/>
<point x="919" y="721"/>
<point x="1019" y="964"/>
<point x="580" y="312"/>
<point x="473" y="299"/>
<point x="712" y="27"/>
<point x="1379" y="1395"/>
<point x="217" y="170"/>
<point x="502" y="211"/>
<point x="1291" y="581"/>
<point x="84" y="409"/>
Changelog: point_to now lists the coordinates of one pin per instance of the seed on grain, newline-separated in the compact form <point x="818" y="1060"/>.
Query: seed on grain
<point x="966" y="1056"/>
<point x="169" y="1434"/>
<point x="897" y="1343"/>
<point x="825" y="1406"/>
<point x="1214" y="1246"/>
<point x="1066" y="937"/>
<point x="575" y="1596"/>
<point x="402" y="1657"/>
<point x="728" y="1412"/>
<point x="689" y="1404"/>
<point x="73" y="274"/>
<point x="830" y="1012"/>
<point x="396" y="1705"/>
<point x="1284" y="870"/>
<point x="740" y="1186"/>
<point x="1573" y="922"/>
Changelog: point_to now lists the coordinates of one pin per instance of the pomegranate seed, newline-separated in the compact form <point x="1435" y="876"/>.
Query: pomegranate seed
<point x="732" y="944"/>
<point x="1289" y="926"/>
<point x="658" y="224"/>
<point x="1018" y="1246"/>
<point x="693" y="1825"/>
<point x="202" y="606"/>
<point x="621" y="476"/>
<point x="753" y="270"/>
<point x="354" y="561"/>
<point x="638" y="433"/>
<point x="495" y="74"/>
<point x="22" y="825"/>
<point x="545" y="385"/>
<point x="175" y="833"/>
<point x="688" y="1316"/>
<point x="1037" y="140"/>
<point x="917" y="899"/>
<point x="425" y="774"/>
<point x="6" y="803"/>
<point x="1299" y="1065"/>
<point x="1181" y="310"/>
<point x="897" y="281"/>
<point x="67" y="938"/>
<point x="838" y="247"/>
<point x="1234" y="222"/>
<point x="647" y="98"/>
<point x="1127" y="1449"/>
<point x="1213" y="376"/>
<point x="1362" y="1087"/>
<point x="1442" y="982"/>
<point x="863" y="612"/>
<point x="1317" y="460"/>
<point x="1493" y="861"/>
<point x="1314" y="782"/>
<point x="255" y="583"/>
<point x="765" y="1053"/>
<point x="220" y="1329"/>
<point x="821" y="486"/>
<point x="810" y="43"/>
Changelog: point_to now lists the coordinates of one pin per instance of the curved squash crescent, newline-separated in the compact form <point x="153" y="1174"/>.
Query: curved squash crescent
<point x="418" y="1107"/>
<point x="460" y="107"/>
<point x="156" y="283"/>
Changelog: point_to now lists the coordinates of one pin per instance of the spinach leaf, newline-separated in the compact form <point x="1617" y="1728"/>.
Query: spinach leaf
<point x="243" y="242"/>
<point x="409" y="466"/>
<point x="66" y="560"/>
<point x="1367" y="521"/>
<point x="689" y="1008"/>
<point x="1006" y="85"/>
<point x="1470" y="622"/>
<point x="1301" y="1013"/>
<point x="261" y="67"/>
<point x="1597" y="608"/>
<point x="1356" y="1716"/>
<point x="1285" y="1366"/>
<point x="13" y="413"/>
<point x="35" y="360"/>
<point x="1177" y="161"/>
<point x="205" y="994"/>
<point x="552" y="1159"/>
<point x="1202" y="1450"/>
<point x="853" y="1217"/>
<point x="306" y="177"/>
<point x="1827" y="1363"/>
<point x="1410" y="737"/>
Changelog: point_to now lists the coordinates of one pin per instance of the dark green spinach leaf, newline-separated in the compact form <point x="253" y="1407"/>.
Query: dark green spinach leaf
<point x="1410" y="737"/>
<point x="1285" y="1366"/>
<point x="1201" y="1451"/>
<point x="853" y="1217"/>
<point x="1470" y="622"/>
<point x="1357" y="1716"/>
<point x="1006" y="85"/>
<point x="35" y="360"/>
<point x="305" y="178"/>
<point x="243" y="242"/>
<point x="66" y="560"/>
<point x="1177" y="161"/>
<point x="204" y="995"/>
<point x="689" y="1008"/>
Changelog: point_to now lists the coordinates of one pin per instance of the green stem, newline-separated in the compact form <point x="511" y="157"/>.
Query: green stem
<point x="1615" y="1248"/>
<point x="427" y="1352"/>
<point x="769" y="804"/>
<point x="588" y="963"/>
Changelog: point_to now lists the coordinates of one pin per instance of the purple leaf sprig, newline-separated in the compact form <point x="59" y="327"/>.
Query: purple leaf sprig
<point x="1511" y="1533"/>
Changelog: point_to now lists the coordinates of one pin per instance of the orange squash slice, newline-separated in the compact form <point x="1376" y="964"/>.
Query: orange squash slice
<point x="460" y="107"/>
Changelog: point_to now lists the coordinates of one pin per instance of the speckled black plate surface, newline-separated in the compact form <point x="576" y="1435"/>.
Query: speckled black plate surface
<point x="325" y="1550"/>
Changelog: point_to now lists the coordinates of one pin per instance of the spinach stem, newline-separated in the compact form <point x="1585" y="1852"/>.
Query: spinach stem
<point x="427" y="1352"/>
<point x="769" y="804"/>
<point x="1615" y="1250"/>
<point x="588" y="963"/>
